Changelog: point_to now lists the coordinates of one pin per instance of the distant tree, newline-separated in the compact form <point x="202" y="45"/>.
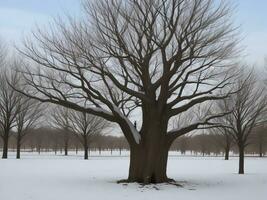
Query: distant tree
<point x="29" y="114"/>
<point x="204" y="144"/>
<point x="259" y="139"/>
<point x="223" y="138"/>
<point x="122" y="144"/>
<point x="39" y="139"/>
<point x="9" y="99"/>
<point x="56" y="141"/>
<point x="86" y="127"/>
<point x="247" y="107"/>
<point x="99" y="143"/>
<point x="183" y="143"/>
<point x="60" y="119"/>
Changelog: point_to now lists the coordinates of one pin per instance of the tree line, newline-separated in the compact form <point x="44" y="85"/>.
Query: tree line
<point x="47" y="139"/>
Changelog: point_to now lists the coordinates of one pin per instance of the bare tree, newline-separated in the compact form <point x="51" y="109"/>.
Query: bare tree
<point x="29" y="114"/>
<point x="247" y="108"/>
<point x="203" y="144"/>
<point x="157" y="58"/>
<point x="61" y="120"/>
<point x="259" y="138"/>
<point x="86" y="127"/>
<point x="56" y="141"/>
<point x="182" y="144"/>
<point x="222" y="137"/>
<point x="9" y="99"/>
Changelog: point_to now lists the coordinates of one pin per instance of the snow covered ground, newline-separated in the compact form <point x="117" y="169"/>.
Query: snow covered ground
<point x="49" y="177"/>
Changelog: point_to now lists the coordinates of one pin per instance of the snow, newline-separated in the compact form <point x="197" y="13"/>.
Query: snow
<point x="50" y="177"/>
<point x="135" y="133"/>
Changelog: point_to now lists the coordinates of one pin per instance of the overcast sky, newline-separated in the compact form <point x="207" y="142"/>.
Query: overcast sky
<point x="18" y="18"/>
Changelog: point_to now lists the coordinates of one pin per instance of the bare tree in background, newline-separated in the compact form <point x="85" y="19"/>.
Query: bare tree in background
<point x="9" y="99"/>
<point x="203" y="143"/>
<point x="259" y="138"/>
<point x="247" y="108"/>
<point x="158" y="58"/>
<point x="182" y="144"/>
<point x="223" y="137"/>
<point x="86" y="127"/>
<point x="61" y="120"/>
<point x="29" y="114"/>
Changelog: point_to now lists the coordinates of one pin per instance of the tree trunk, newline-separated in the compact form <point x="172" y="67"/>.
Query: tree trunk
<point x="148" y="165"/>
<point x="66" y="149"/>
<point x="18" y="147"/>
<point x="5" y="146"/>
<point x="66" y="142"/>
<point x="148" y="159"/>
<point x="85" y="153"/>
<point x="260" y="150"/>
<point x="241" y="160"/>
<point x="39" y="149"/>
<point x="226" y="155"/>
<point x="85" y="146"/>
<point x="55" y="149"/>
<point x="76" y="149"/>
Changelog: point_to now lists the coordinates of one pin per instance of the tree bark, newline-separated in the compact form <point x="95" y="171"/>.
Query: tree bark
<point x="226" y="155"/>
<point x="39" y="149"/>
<point x="148" y="167"/>
<point x="66" y="142"/>
<point x="241" y="160"/>
<point x="18" y="147"/>
<point x="65" y="150"/>
<point x="260" y="150"/>
<point x="148" y="159"/>
<point x="85" y="153"/>
<point x="85" y="146"/>
<point x="5" y="146"/>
